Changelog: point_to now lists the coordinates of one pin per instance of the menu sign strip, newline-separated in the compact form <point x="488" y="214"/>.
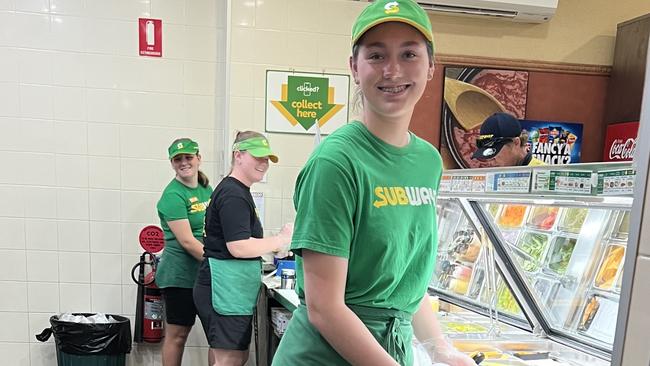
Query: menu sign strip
<point x="471" y="183"/>
<point x="478" y="184"/>
<point x="508" y="182"/>
<point x="563" y="181"/>
<point x="445" y="183"/>
<point x="570" y="181"/>
<point x="461" y="183"/>
<point x="615" y="182"/>
<point x="541" y="181"/>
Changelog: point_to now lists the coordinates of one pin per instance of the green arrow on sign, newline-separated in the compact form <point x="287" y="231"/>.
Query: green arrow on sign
<point x="306" y="100"/>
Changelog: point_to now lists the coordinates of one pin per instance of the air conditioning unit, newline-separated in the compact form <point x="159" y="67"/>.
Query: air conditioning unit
<point x="526" y="11"/>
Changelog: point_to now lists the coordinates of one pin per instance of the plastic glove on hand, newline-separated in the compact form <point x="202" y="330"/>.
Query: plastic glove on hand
<point x="286" y="233"/>
<point x="456" y="358"/>
<point x="283" y="253"/>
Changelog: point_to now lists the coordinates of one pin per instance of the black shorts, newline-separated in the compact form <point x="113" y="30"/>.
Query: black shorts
<point x="179" y="306"/>
<point x="222" y="331"/>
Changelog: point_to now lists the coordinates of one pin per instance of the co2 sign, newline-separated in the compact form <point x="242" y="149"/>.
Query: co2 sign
<point x="152" y="239"/>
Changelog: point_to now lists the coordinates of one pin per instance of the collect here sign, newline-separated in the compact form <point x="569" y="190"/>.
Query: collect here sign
<point x="296" y="101"/>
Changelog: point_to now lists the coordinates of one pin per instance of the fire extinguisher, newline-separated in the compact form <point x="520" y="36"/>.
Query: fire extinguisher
<point x="149" y="324"/>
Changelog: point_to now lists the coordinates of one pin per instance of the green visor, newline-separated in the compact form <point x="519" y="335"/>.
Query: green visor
<point x="256" y="146"/>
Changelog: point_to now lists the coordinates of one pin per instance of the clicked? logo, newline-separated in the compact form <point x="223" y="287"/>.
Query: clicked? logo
<point x="306" y="89"/>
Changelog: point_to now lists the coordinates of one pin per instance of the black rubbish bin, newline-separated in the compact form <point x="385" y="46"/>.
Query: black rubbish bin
<point x="79" y="344"/>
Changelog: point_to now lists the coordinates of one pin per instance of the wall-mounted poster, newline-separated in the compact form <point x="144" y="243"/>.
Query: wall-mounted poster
<point x="472" y="94"/>
<point x="296" y="101"/>
<point x="620" y="141"/>
<point x="555" y="143"/>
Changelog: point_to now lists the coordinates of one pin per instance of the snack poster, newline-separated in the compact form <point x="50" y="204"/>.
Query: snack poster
<point x="555" y="143"/>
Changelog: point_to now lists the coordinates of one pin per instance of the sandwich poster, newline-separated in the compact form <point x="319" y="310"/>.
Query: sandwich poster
<point x="471" y="94"/>
<point x="555" y="143"/>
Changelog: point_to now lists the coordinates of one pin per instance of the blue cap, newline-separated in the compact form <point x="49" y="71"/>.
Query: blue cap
<point x="496" y="131"/>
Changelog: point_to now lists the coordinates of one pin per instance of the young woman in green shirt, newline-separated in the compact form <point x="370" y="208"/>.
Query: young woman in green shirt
<point x="365" y="232"/>
<point x="181" y="209"/>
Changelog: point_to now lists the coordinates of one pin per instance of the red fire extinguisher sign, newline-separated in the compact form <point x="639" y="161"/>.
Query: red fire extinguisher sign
<point x="150" y="37"/>
<point x="152" y="239"/>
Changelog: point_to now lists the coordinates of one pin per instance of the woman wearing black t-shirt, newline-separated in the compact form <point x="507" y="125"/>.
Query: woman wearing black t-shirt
<point x="229" y="279"/>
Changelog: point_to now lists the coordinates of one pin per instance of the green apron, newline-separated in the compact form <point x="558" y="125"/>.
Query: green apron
<point x="177" y="268"/>
<point x="305" y="346"/>
<point x="235" y="285"/>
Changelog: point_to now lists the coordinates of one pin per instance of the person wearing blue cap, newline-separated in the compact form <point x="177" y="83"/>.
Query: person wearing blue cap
<point x="503" y="142"/>
<point x="365" y="235"/>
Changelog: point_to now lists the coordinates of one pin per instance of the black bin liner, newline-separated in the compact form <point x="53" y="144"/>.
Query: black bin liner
<point x="90" y="339"/>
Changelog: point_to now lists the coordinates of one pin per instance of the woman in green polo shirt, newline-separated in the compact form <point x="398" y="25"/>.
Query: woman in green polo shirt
<point x="365" y="232"/>
<point x="181" y="209"/>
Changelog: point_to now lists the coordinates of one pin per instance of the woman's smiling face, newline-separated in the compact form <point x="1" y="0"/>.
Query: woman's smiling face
<point x="392" y="68"/>
<point x="252" y="168"/>
<point x="186" y="166"/>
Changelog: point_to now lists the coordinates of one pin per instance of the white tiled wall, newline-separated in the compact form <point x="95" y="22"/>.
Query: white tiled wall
<point x="304" y="35"/>
<point x="84" y="125"/>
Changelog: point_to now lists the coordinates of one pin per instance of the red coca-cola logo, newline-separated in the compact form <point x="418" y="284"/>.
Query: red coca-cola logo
<point x="620" y="141"/>
<point x="622" y="150"/>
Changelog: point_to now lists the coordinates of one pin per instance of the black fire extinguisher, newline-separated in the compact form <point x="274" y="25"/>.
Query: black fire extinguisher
<point x="149" y="324"/>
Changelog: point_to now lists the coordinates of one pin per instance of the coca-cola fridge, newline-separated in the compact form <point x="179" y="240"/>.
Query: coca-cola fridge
<point x="620" y="141"/>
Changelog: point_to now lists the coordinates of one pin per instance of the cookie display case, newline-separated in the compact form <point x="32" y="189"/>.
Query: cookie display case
<point x="541" y="267"/>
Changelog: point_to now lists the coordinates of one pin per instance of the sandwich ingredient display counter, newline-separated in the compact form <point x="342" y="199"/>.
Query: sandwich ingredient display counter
<point x="531" y="260"/>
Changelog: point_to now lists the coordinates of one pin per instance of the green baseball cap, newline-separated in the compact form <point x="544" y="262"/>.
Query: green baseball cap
<point x="183" y="146"/>
<point x="382" y="11"/>
<point x="257" y="146"/>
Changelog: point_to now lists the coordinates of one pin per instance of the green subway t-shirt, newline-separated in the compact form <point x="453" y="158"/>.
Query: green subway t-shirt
<point x="177" y="268"/>
<point x="375" y="204"/>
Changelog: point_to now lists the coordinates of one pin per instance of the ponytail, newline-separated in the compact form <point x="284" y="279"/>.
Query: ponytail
<point x="203" y="179"/>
